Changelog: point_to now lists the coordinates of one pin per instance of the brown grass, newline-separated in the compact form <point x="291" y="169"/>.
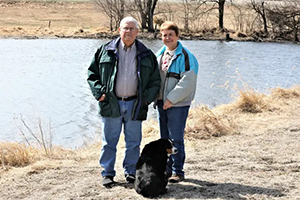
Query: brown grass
<point x="20" y="155"/>
<point x="232" y="153"/>
<point x="286" y="93"/>
<point x="39" y="19"/>
<point x="14" y="154"/>
<point x="252" y="102"/>
<point x="50" y="19"/>
<point x="203" y="123"/>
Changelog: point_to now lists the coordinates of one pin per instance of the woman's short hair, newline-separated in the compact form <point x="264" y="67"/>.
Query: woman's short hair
<point x="168" y="25"/>
<point x="129" y="19"/>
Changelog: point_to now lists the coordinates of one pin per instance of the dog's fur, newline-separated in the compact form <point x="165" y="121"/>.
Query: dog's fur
<point x="151" y="179"/>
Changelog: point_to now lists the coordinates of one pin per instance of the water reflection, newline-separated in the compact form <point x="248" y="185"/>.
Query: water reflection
<point x="46" y="79"/>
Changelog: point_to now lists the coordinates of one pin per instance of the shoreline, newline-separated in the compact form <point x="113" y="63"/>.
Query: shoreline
<point x="48" y="33"/>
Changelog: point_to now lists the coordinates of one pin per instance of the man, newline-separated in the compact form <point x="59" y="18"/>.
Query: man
<point x="178" y="71"/>
<point x="124" y="78"/>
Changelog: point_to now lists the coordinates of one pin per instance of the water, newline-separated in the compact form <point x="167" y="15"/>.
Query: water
<point x="44" y="82"/>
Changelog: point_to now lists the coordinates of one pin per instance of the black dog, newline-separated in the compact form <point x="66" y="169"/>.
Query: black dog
<point x="151" y="179"/>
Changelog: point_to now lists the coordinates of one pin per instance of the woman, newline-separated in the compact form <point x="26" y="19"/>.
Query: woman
<point x="178" y="71"/>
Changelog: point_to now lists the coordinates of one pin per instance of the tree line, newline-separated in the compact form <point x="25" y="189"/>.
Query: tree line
<point x="258" y="18"/>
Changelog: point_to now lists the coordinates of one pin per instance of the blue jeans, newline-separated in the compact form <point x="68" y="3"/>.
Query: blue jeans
<point x="111" y="130"/>
<point x="172" y="124"/>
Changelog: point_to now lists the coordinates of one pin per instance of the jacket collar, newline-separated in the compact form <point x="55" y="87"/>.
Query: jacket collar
<point x="113" y="46"/>
<point x="177" y="52"/>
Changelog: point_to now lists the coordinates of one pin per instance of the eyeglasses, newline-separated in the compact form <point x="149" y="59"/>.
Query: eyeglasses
<point x="128" y="29"/>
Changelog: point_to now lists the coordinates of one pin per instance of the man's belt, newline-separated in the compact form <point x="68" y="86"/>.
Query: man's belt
<point x="127" y="98"/>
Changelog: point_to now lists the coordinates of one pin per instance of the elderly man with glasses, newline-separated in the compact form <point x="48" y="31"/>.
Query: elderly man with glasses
<point x="124" y="79"/>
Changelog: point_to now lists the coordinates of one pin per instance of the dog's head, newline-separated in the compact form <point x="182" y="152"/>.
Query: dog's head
<point x="170" y="147"/>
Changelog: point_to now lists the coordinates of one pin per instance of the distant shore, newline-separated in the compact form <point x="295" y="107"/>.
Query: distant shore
<point x="71" y="19"/>
<point x="20" y="32"/>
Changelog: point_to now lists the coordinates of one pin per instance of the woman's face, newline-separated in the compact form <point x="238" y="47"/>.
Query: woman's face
<point x="169" y="38"/>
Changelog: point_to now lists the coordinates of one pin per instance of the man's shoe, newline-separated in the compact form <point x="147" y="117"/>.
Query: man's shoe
<point x="130" y="178"/>
<point x="107" y="181"/>
<point x="175" y="178"/>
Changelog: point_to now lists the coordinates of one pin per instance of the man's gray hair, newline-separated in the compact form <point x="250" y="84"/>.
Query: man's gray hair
<point x="129" y="19"/>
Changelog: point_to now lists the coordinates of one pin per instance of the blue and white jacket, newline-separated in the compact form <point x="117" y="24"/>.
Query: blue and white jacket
<point x="181" y="80"/>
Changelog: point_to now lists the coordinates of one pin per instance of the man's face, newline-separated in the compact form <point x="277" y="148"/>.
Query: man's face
<point x="169" y="38"/>
<point x="128" y="33"/>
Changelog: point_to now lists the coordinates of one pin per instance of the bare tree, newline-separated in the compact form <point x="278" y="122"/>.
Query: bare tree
<point x="285" y="19"/>
<point x="259" y="7"/>
<point x="114" y="9"/>
<point x="220" y="5"/>
<point x="191" y="11"/>
<point x="164" y="11"/>
<point x="243" y="17"/>
<point x="146" y="9"/>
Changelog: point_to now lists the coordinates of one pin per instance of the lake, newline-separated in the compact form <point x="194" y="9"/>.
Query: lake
<point x="43" y="82"/>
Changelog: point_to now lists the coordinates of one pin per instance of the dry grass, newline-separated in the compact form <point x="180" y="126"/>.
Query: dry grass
<point x="252" y="102"/>
<point x="14" y="154"/>
<point x="232" y="153"/>
<point x="50" y="19"/>
<point x="202" y="123"/>
<point x="19" y="155"/>
<point x="150" y="127"/>
<point x="286" y="93"/>
<point x="38" y="19"/>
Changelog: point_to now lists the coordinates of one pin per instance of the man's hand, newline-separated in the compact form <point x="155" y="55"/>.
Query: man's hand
<point x="167" y="104"/>
<point x="102" y="97"/>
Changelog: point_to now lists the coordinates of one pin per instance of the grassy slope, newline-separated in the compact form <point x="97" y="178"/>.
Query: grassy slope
<point x="248" y="149"/>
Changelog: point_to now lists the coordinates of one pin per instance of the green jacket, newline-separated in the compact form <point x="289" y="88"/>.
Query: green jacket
<point x="102" y="76"/>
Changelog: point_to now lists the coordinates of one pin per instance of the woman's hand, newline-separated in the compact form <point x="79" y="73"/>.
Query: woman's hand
<point x="167" y="104"/>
